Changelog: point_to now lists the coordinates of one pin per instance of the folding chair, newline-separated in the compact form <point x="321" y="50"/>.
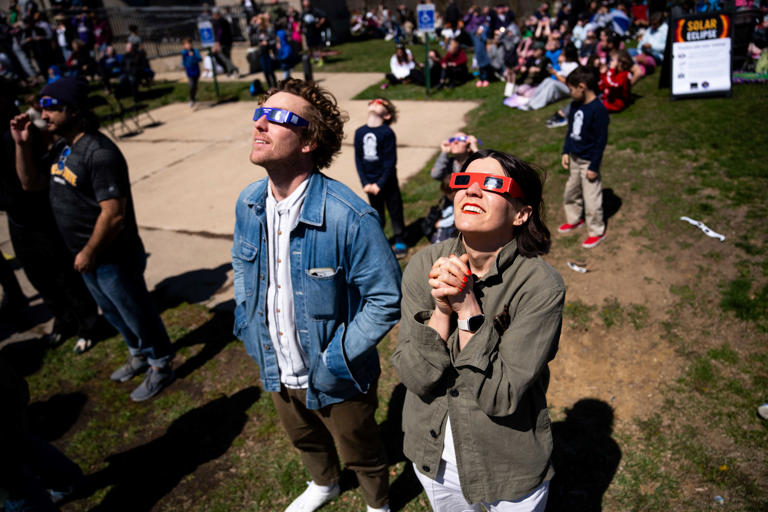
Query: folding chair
<point x="113" y="119"/>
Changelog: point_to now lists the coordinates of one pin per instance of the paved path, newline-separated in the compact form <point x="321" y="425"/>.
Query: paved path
<point x="187" y="173"/>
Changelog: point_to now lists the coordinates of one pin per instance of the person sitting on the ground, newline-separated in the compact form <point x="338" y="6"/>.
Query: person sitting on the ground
<point x="403" y="68"/>
<point x="588" y="48"/>
<point x="454" y="152"/>
<point x="650" y="48"/>
<point x="438" y="225"/>
<point x="533" y="72"/>
<point x="615" y="85"/>
<point x="454" y="66"/>
<point x="549" y="91"/>
<point x="80" y="63"/>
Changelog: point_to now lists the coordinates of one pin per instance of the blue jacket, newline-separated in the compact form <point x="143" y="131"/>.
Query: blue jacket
<point x="339" y="318"/>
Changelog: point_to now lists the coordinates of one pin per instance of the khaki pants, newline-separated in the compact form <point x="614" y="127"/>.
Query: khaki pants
<point x="352" y="426"/>
<point x="583" y="197"/>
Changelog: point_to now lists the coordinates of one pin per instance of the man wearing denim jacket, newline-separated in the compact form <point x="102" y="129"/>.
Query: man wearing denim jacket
<point x="316" y="288"/>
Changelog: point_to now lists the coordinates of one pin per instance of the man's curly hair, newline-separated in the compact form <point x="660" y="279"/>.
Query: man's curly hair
<point x="326" y="120"/>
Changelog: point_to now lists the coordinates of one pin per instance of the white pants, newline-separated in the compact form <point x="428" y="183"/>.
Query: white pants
<point x="445" y="494"/>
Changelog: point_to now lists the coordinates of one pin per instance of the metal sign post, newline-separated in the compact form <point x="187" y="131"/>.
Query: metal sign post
<point x="425" y="14"/>
<point x="205" y="28"/>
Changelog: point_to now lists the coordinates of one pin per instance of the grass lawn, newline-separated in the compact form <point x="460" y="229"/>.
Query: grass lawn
<point x="663" y="355"/>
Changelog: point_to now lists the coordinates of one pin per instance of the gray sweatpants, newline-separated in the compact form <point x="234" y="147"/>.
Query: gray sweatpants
<point x="583" y="197"/>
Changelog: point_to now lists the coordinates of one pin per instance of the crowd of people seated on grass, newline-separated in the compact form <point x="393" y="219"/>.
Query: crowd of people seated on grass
<point x="622" y="41"/>
<point x="34" y="51"/>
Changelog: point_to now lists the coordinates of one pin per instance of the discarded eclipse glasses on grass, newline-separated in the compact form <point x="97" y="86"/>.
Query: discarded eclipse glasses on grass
<point x="489" y="182"/>
<point x="280" y="116"/>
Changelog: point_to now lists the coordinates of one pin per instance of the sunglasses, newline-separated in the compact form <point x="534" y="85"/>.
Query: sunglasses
<point x="464" y="138"/>
<point x="63" y="158"/>
<point x="49" y="103"/>
<point x="489" y="182"/>
<point x="280" y="116"/>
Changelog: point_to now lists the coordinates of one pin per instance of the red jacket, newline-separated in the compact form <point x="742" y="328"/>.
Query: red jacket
<point x="455" y="59"/>
<point x="615" y="88"/>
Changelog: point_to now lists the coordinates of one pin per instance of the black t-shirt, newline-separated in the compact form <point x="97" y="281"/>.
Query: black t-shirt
<point x="93" y="171"/>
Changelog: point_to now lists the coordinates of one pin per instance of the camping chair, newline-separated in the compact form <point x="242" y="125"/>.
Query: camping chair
<point x="113" y="119"/>
<point x="134" y="113"/>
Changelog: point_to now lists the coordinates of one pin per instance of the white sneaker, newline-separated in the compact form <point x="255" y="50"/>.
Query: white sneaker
<point x="313" y="498"/>
<point x="385" y="508"/>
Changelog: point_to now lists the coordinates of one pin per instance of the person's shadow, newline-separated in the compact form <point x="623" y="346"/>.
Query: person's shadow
<point x="611" y="203"/>
<point x="213" y="335"/>
<point x="585" y="457"/>
<point x="193" y="287"/>
<point x="406" y="486"/>
<point x="140" y="477"/>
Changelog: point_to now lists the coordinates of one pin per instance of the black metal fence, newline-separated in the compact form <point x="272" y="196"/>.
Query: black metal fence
<point x="162" y="29"/>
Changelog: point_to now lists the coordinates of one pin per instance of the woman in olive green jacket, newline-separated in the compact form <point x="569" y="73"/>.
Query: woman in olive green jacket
<point x="481" y="318"/>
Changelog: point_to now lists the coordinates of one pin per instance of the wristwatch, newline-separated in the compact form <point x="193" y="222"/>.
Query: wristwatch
<point x="472" y="323"/>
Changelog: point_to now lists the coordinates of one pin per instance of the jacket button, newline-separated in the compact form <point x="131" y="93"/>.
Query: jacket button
<point x="425" y="468"/>
<point x="454" y="393"/>
<point x="261" y="276"/>
<point x="266" y="347"/>
<point x="433" y="434"/>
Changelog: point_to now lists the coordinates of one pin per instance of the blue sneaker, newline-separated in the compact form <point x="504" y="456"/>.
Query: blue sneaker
<point x="401" y="250"/>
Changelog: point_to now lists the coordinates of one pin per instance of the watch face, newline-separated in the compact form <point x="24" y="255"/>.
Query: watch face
<point x="475" y="322"/>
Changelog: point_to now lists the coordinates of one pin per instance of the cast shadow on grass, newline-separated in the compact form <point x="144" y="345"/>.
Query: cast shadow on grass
<point x="52" y="418"/>
<point x="585" y="457"/>
<point x="214" y="335"/>
<point x="406" y="486"/>
<point x="25" y="356"/>
<point x="193" y="287"/>
<point x="142" y="476"/>
<point x="611" y="203"/>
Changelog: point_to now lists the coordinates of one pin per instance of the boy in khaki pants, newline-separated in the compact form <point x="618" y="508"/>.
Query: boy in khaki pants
<point x="582" y="154"/>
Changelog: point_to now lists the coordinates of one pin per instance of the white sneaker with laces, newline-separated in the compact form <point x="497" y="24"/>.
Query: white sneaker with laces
<point x="314" y="497"/>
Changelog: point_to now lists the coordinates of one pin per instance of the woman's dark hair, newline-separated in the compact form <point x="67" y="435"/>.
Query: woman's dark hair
<point x="533" y="238"/>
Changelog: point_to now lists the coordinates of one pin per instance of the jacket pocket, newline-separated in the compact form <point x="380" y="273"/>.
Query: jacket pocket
<point x="324" y="292"/>
<point x="248" y="253"/>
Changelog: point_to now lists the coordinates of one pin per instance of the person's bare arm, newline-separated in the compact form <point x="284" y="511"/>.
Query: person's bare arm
<point x="30" y="175"/>
<point x="108" y="224"/>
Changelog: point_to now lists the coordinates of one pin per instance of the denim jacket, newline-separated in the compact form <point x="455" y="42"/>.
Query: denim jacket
<point x="346" y="286"/>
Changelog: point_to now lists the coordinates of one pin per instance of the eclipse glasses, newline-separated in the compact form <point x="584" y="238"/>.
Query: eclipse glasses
<point x="489" y="182"/>
<point x="280" y="116"/>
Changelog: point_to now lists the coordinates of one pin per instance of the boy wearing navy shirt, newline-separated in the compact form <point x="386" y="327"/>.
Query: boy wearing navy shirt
<point x="582" y="154"/>
<point x="376" y="161"/>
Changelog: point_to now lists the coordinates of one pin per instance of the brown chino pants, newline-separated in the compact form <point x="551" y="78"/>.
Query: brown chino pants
<point x="352" y="426"/>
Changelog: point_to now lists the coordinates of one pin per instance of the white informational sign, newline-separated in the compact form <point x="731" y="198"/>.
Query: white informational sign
<point x="701" y="67"/>
<point x="205" y="28"/>
<point x="425" y="14"/>
<point x="701" y="55"/>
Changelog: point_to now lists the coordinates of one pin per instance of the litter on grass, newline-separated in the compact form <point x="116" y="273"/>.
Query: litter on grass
<point x="704" y="228"/>
<point x="577" y="268"/>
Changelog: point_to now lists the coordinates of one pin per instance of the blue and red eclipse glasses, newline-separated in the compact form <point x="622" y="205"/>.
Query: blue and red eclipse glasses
<point x="280" y="116"/>
<point x="490" y="182"/>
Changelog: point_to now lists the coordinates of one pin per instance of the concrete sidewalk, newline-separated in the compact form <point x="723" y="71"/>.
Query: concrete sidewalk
<point x="187" y="173"/>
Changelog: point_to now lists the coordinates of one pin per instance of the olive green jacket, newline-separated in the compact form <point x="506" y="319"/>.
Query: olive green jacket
<point x="495" y="389"/>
